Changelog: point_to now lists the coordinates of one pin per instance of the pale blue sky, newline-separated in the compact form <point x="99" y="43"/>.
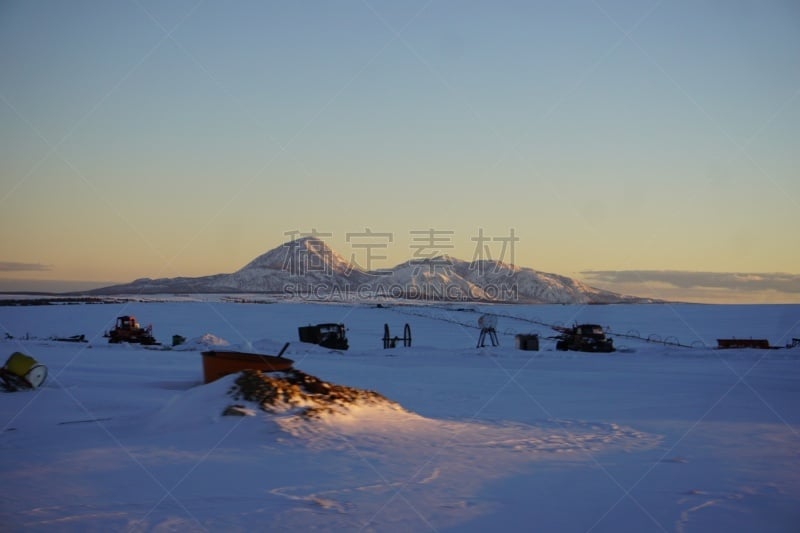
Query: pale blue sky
<point x="147" y="138"/>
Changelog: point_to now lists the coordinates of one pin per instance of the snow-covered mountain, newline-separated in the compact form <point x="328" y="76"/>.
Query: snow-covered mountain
<point x="302" y="265"/>
<point x="536" y="287"/>
<point x="308" y="268"/>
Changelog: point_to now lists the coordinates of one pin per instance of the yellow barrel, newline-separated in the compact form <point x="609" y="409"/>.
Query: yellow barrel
<point x="20" y="364"/>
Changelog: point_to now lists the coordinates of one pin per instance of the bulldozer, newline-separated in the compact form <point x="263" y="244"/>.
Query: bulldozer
<point x="127" y="329"/>
<point x="583" y="338"/>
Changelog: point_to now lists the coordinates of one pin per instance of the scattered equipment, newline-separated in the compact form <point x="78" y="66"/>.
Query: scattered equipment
<point x="127" y="329"/>
<point x="22" y="372"/>
<point x="488" y="325"/>
<point x="217" y="364"/>
<point x="583" y="338"/>
<point x="529" y="342"/>
<point x="726" y="344"/>
<point x="73" y="338"/>
<point x="328" y="335"/>
<point x="177" y="340"/>
<point x="391" y="342"/>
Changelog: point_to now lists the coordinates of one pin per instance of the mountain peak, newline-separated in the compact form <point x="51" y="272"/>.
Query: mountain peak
<point x="299" y="256"/>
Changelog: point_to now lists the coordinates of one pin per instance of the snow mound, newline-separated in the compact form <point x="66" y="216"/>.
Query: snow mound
<point x="297" y="393"/>
<point x="400" y="432"/>
<point x="202" y="342"/>
<point x="321" y="413"/>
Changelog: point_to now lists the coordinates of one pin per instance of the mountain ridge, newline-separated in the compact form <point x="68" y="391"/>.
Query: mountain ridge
<point x="307" y="268"/>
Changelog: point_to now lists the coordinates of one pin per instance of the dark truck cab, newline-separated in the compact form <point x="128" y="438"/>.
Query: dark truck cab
<point x="584" y="338"/>
<point x="329" y="335"/>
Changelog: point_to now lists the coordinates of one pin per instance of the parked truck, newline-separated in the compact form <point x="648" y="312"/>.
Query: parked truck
<point x="583" y="338"/>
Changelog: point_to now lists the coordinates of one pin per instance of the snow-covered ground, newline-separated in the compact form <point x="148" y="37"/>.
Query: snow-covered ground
<point x="650" y="438"/>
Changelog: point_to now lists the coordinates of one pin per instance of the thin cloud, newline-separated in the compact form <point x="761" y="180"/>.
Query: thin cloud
<point x="770" y="281"/>
<point x="13" y="266"/>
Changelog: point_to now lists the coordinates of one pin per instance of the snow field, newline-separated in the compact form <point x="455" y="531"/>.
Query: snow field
<point x="655" y="438"/>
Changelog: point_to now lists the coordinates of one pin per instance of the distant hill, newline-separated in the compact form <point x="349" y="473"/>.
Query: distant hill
<point x="307" y="268"/>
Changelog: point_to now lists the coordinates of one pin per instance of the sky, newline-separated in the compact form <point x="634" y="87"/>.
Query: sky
<point x="650" y="146"/>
